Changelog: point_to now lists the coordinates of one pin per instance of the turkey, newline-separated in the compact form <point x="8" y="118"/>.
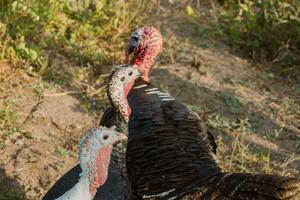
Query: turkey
<point x="116" y="186"/>
<point x="94" y="155"/>
<point x="146" y="44"/>
<point x="169" y="155"/>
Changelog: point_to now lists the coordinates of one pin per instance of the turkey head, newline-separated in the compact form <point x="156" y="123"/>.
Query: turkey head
<point x="146" y="44"/>
<point x="94" y="156"/>
<point x="119" y="85"/>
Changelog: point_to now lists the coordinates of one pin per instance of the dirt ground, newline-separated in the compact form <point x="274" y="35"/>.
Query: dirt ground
<point x="254" y="115"/>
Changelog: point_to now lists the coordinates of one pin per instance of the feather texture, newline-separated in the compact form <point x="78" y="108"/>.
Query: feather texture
<point x="167" y="147"/>
<point x="170" y="155"/>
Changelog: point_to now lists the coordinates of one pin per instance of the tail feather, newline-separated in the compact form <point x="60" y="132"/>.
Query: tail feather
<point x="254" y="186"/>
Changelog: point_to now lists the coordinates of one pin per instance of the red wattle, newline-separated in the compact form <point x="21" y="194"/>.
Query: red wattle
<point x="99" y="174"/>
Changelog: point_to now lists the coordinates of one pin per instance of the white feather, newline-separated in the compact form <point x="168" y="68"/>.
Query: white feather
<point x="150" y="89"/>
<point x="152" y="92"/>
<point x="79" y="192"/>
<point x="168" y="99"/>
<point x="140" y="86"/>
<point x="159" y="194"/>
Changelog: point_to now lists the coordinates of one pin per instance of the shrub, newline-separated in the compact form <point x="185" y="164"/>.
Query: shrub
<point x="87" y="31"/>
<point x="267" y="30"/>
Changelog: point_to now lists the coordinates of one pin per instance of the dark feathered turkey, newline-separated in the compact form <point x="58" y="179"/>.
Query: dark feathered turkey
<point x="170" y="156"/>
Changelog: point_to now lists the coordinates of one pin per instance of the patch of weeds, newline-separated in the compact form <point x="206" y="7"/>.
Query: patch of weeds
<point x="85" y="104"/>
<point x="268" y="75"/>
<point x="8" y="118"/>
<point x="242" y="125"/>
<point x="59" y="76"/>
<point x="291" y="106"/>
<point x="219" y="122"/>
<point x="265" y="30"/>
<point x="245" y="82"/>
<point x="274" y="135"/>
<point x="239" y="158"/>
<point x="194" y="108"/>
<point x="296" y="90"/>
<point x="62" y="152"/>
<point x="8" y="131"/>
<point x="264" y="158"/>
<point x="247" y="159"/>
<point x="236" y="106"/>
<point x="238" y="155"/>
<point x="86" y="32"/>
<point x="239" y="125"/>
<point x="38" y="89"/>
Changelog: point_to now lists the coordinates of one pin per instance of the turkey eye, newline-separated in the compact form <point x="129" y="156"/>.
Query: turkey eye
<point x="105" y="137"/>
<point x="135" y="38"/>
<point x="130" y="73"/>
<point x="123" y="79"/>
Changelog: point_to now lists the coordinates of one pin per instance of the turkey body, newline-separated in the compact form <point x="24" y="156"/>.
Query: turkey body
<point x="170" y="156"/>
<point x="167" y="147"/>
<point x="116" y="186"/>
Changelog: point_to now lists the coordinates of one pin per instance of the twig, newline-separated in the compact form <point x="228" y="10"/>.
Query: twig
<point x="100" y="90"/>
<point x="63" y="93"/>
<point x="33" y="109"/>
<point x="234" y="149"/>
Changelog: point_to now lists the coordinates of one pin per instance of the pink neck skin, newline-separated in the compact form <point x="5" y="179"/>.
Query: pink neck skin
<point x="127" y="89"/>
<point x="98" y="175"/>
<point x="144" y="61"/>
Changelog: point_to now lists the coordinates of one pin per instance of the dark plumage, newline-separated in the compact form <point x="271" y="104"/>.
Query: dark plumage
<point x="168" y="148"/>
<point x="169" y="155"/>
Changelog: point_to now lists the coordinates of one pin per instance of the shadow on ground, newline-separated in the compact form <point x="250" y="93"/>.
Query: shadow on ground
<point x="227" y="106"/>
<point x="10" y="188"/>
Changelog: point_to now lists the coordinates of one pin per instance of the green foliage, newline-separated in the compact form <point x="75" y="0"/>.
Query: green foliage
<point x="266" y="30"/>
<point x="297" y="90"/>
<point x="88" y="31"/>
<point x="23" y="22"/>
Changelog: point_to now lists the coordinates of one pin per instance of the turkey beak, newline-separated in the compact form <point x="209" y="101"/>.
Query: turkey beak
<point x="129" y="50"/>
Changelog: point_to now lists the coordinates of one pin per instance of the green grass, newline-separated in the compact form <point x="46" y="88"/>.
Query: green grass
<point x="62" y="152"/>
<point x="8" y="118"/>
<point x="235" y="152"/>
<point x="91" y="32"/>
<point x="95" y="32"/>
<point x="265" y="31"/>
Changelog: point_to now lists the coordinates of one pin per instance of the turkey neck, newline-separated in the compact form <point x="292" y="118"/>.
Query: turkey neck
<point x="98" y="175"/>
<point x="94" y="175"/>
<point x="164" y="152"/>
<point x="144" y="60"/>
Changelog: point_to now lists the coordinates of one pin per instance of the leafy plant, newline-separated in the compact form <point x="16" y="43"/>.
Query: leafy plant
<point x="88" y="31"/>
<point x="266" y="30"/>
